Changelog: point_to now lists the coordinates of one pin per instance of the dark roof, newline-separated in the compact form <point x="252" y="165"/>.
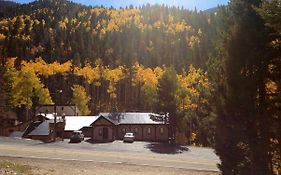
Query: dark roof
<point x="106" y="118"/>
<point x="133" y="118"/>
<point x="43" y="128"/>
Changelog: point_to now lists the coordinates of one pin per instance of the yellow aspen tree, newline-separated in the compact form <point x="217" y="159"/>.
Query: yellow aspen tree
<point x="80" y="98"/>
<point x="25" y="85"/>
<point x="113" y="76"/>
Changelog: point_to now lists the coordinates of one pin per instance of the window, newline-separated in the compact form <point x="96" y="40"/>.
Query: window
<point x="161" y="130"/>
<point x="100" y="132"/>
<point x="123" y="130"/>
<point x="136" y="130"/>
<point x="148" y="130"/>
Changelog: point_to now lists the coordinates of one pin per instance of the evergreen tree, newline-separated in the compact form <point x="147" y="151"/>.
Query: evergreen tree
<point x="166" y="100"/>
<point x="243" y="124"/>
<point x="271" y="13"/>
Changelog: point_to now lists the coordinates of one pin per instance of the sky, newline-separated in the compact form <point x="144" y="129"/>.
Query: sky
<point x="188" y="4"/>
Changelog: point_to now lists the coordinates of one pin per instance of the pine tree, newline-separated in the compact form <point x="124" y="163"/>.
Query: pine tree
<point x="243" y="124"/>
<point x="271" y="13"/>
<point x="166" y="97"/>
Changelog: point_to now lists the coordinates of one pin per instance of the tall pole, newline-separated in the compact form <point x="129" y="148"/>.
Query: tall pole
<point x="55" y="123"/>
<point x="55" y="116"/>
<point x="190" y="132"/>
<point x="27" y="118"/>
<point x="27" y="96"/>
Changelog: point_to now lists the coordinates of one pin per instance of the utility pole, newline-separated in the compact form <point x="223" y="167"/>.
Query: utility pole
<point x="55" y="123"/>
<point x="55" y="115"/>
<point x="63" y="120"/>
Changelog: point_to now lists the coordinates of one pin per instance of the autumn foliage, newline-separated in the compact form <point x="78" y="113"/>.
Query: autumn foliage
<point x="31" y="73"/>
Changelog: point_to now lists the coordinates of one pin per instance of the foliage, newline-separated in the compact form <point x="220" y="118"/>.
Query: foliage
<point x="81" y="99"/>
<point x="193" y="96"/>
<point x="246" y="121"/>
<point x="194" y="88"/>
<point x="148" y="79"/>
<point x="270" y="12"/>
<point x="91" y="75"/>
<point x="60" y="31"/>
<point x="24" y="85"/>
<point x="166" y="99"/>
<point x="113" y="76"/>
<point x="40" y="67"/>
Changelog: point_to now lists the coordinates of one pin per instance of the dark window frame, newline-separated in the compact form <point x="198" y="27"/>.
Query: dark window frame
<point x="162" y="131"/>
<point x="148" y="131"/>
<point x="136" y="130"/>
<point x="123" y="130"/>
<point x="100" y="131"/>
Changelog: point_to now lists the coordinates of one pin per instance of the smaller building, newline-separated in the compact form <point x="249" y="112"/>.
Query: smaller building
<point x="69" y="110"/>
<point x="42" y="132"/>
<point x="45" y="131"/>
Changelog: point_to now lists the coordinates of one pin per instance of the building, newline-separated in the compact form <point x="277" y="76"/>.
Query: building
<point x="69" y="110"/>
<point x="43" y="127"/>
<point x="44" y="130"/>
<point x="111" y="126"/>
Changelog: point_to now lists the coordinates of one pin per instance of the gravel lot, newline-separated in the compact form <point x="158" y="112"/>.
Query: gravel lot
<point x="107" y="158"/>
<point x="59" y="167"/>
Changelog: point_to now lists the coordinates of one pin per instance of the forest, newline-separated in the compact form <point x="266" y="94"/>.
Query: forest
<point x="217" y="73"/>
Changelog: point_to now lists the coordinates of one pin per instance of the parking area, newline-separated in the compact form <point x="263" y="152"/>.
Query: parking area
<point x="120" y="146"/>
<point x="137" y="153"/>
<point x="151" y="148"/>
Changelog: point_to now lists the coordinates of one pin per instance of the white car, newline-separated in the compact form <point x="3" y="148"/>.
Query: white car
<point x="129" y="137"/>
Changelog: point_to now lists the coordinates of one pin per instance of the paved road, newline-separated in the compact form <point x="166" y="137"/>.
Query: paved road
<point x="137" y="153"/>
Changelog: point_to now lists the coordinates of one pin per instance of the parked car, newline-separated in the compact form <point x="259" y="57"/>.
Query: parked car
<point x="77" y="136"/>
<point x="129" y="137"/>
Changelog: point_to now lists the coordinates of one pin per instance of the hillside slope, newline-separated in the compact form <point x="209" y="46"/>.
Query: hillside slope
<point x="62" y="30"/>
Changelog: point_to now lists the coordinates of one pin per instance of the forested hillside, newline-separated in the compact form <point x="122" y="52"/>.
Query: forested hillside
<point x="152" y="35"/>
<point x="113" y="42"/>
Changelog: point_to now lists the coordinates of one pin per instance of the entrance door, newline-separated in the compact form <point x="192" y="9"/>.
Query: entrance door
<point x="105" y="133"/>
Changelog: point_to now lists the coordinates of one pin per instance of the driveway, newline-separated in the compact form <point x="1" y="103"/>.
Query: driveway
<point x="137" y="153"/>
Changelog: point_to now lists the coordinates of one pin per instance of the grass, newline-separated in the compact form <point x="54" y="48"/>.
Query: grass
<point x="13" y="168"/>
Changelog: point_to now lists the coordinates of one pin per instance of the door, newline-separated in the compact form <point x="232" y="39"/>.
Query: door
<point x="105" y="133"/>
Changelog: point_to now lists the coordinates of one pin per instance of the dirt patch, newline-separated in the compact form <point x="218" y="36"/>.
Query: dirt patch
<point x="58" y="167"/>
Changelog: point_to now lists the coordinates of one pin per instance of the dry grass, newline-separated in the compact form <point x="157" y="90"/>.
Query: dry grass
<point x="7" y="167"/>
<point x="26" y="166"/>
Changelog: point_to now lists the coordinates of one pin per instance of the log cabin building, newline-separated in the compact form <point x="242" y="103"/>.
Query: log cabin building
<point x="113" y="126"/>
